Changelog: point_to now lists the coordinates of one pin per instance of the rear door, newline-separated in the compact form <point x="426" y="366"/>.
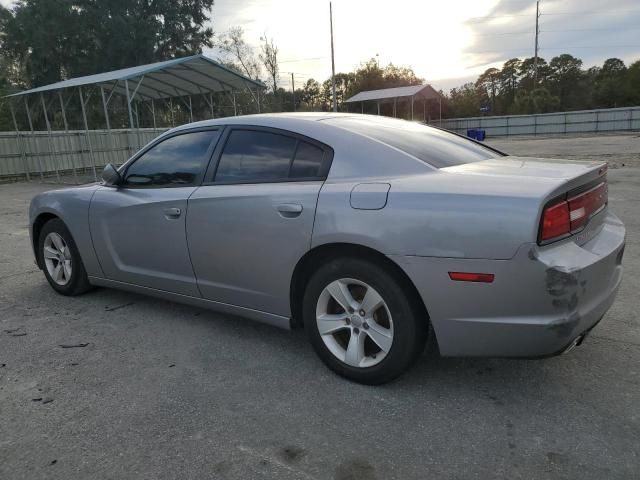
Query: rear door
<point x="252" y="220"/>
<point x="138" y="227"/>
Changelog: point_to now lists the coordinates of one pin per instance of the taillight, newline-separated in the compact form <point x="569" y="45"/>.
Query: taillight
<point x="582" y="207"/>
<point x="555" y="221"/>
<point x="568" y="216"/>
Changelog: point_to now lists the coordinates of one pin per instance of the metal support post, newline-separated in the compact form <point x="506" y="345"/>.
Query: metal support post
<point x="86" y="129"/>
<point x="153" y="115"/>
<point x="33" y="138"/>
<point x="54" y="160"/>
<point x="190" y="110"/>
<point x="106" y="118"/>
<point x="20" y="143"/>
<point x="131" y="124"/>
<point x="68" y="141"/>
<point x="235" y="107"/>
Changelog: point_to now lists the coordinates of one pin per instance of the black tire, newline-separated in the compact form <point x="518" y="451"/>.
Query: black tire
<point x="410" y="328"/>
<point x="78" y="282"/>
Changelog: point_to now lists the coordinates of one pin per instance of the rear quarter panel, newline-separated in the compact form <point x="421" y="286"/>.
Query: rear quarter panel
<point x="436" y="214"/>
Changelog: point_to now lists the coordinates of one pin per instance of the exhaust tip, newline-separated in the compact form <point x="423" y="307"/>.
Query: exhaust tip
<point x="576" y="342"/>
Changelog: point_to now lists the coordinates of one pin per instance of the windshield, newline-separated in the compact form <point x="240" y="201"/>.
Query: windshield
<point x="436" y="147"/>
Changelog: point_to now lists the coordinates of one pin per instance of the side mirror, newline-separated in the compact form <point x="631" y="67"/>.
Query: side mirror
<point x="110" y="175"/>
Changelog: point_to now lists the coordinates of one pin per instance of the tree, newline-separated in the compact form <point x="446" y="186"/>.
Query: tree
<point x="487" y="85"/>
<point x="632" y="82"/>
<point x="269" y="58"/>
<point x="565" y="80"/>
<point x="539" y="100"/>
<point x="509" y="81"/>
<point x="311" y="93"/>
<point x="527" y="73"/>
<point x="464" y="101"/>
<point x="57" y="39"/>
<point x="237" y="52"/>
<point x="610" y="88"/>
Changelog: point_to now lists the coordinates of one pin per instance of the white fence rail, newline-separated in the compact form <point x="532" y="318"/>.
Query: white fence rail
<point x="75" y="156"/>
<point x="583" y="121"/>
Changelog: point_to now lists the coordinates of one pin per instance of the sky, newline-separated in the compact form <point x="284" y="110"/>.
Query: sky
<point x="445" y="42"/>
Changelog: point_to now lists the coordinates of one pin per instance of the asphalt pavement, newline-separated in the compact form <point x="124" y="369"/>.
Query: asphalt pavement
<point x="117" y="385"/>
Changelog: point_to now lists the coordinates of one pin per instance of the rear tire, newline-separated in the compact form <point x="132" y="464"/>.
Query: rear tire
<point x="60" y="259"/>
<point x="362" y="322"/>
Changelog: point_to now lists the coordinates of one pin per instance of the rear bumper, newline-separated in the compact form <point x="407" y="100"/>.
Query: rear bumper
<point x="540" y="302"/>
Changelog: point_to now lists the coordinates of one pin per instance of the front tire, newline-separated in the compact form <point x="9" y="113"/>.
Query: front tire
<point x="60" y="259"/>
<point x="361" y="321"/>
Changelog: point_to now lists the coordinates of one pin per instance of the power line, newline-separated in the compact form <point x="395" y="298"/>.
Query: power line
<point x="590" y="29"/>
<point x="302" y="59"/>
<point x="596" y="12"/>
<point x="590" y="46"/>
<point x="516" y="15"/>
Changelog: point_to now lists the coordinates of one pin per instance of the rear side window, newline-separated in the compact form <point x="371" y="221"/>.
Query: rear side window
<point x="251" y="156"/>
<point x="436" y="147"/>
<point x="308" y="161"/>
<point x="176" y="161"/>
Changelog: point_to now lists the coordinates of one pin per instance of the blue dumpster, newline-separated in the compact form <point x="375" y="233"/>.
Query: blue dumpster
<point x="476" y="134"/>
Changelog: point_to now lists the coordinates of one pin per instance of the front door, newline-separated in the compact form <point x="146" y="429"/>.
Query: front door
<point x="138" y="227"/>
<point x="251" y="223"/>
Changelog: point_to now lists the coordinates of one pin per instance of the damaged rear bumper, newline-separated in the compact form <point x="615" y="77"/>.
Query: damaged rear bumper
<point x="541" y="302"/>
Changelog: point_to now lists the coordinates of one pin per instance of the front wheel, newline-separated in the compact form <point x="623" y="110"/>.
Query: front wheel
<point x="361" y="321"/>
<point x="61" y="260"/>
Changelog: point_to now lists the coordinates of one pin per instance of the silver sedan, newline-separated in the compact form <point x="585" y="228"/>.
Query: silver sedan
<point x="371" y="233"/>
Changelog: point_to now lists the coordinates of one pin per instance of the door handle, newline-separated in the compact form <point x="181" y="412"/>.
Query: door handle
<point x="289" y="210"/>
<point x="172" y="212"/>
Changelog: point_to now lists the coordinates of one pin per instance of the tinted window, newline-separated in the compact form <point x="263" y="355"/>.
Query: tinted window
<point x="431" y="145"/>
<point x="307" y="162"/>
<point x="254" y="156"/>
<point x="175" y="161"/>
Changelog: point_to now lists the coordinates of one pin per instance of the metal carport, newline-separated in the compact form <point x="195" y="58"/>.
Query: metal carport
<point x="179" y="78"/>
<point x="408" y="94"/>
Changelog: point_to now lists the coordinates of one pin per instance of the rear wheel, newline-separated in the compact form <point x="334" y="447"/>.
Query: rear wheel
<point x="61" y="260"/>
<point x="361" y="321"/>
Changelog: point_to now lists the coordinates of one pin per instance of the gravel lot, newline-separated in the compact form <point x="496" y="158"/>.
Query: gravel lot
<point x="167" y="391"/>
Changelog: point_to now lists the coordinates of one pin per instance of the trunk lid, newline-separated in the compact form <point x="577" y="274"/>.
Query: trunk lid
<point x="562" y="179"/>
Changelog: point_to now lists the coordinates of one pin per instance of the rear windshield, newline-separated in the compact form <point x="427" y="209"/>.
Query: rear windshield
<point x="436" y="147"/>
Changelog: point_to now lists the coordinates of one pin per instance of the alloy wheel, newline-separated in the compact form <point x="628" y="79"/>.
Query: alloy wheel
<point x="57" y="258"/>
<point x="354" y="322"/>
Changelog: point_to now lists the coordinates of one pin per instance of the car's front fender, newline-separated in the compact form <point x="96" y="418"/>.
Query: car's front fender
<point x="71" y="205"/>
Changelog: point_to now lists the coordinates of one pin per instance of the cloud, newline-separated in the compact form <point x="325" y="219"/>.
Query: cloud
<point x="586" y="29"/>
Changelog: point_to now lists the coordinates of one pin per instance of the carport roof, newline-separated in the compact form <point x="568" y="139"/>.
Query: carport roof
<point x="426" y="92"/>
<point x="172" y="78"/>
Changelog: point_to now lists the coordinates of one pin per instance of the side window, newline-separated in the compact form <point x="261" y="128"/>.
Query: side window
<point x="254" y="156"/>
<point x="307" y="162"/>
<point x="176" y="161"/>
<point x="259" y="156"/>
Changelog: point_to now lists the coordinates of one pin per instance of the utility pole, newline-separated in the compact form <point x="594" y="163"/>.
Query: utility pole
<point x="535" y="59"/>
<point x="293" y="92"/>
<point x="333" y="63"/>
